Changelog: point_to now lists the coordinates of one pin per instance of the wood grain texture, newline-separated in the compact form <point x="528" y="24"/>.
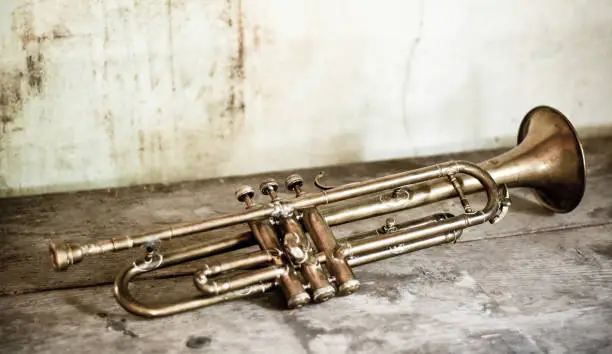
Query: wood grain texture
<point x="546" y="292"/>
<point x="28" y="225"/>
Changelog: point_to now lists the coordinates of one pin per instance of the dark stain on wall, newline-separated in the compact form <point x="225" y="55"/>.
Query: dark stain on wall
<point x="213" y="70"/>
<point x="108" y="124"/>
<point x="60" y="31"/>
<point x="256" y="37"/>
<point x="35" y="71"/>
<point x="141" y="147"/>
<point x="31" y="43"/>
<point x="105" y="46"/>
<point x="238" y="69"/>
<point x="11" y="101"/>
<point x="229" y="7"/>
<point x="171" y="42"/>
<point x="234" y="103"/>
<point x="28" y="79"/>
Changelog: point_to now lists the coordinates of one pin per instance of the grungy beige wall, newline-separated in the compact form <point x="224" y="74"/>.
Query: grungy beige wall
<point x="104" y="93"/>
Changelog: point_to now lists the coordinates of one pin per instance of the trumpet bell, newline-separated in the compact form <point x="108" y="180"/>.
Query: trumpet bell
<point x="553" y="142"/>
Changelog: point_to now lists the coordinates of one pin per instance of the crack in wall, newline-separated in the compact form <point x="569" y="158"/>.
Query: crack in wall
<point x="409" y="61"/>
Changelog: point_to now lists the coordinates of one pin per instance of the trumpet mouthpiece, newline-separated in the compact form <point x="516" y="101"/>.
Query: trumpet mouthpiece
<point x="64" y="255"/>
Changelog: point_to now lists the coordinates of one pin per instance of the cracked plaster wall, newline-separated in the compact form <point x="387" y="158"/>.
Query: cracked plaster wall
<point x="95" y="94"/>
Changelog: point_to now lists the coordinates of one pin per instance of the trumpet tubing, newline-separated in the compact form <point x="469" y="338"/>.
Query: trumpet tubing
<point x="300" y="255"/>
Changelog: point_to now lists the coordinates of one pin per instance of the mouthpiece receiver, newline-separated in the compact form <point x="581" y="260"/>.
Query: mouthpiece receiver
<point x="65" y="255"/>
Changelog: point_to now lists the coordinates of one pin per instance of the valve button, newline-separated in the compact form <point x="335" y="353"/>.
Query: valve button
<point x="293" y="181"/>
<point x="268" y="185"/>
<point x="243" y="192"/>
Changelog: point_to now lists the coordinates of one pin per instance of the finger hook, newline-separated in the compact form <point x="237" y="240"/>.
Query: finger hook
<point x="318" y="184"/>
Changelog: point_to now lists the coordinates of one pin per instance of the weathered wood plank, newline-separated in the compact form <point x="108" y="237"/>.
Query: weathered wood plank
<point x="28" y="225"/>
<point x="542" y="293"/>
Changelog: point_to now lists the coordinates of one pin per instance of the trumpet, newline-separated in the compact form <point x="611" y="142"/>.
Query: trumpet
<point x="295" y="250"/>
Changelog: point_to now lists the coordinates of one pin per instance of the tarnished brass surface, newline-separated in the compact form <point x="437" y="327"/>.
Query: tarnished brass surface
<point x="299" y="253"/>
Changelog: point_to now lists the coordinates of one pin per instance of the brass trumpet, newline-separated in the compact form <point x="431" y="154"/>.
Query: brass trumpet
<point x="298" y="251"/>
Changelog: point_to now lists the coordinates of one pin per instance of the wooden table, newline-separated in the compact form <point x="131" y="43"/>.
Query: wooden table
<point x="535" y="282"/>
